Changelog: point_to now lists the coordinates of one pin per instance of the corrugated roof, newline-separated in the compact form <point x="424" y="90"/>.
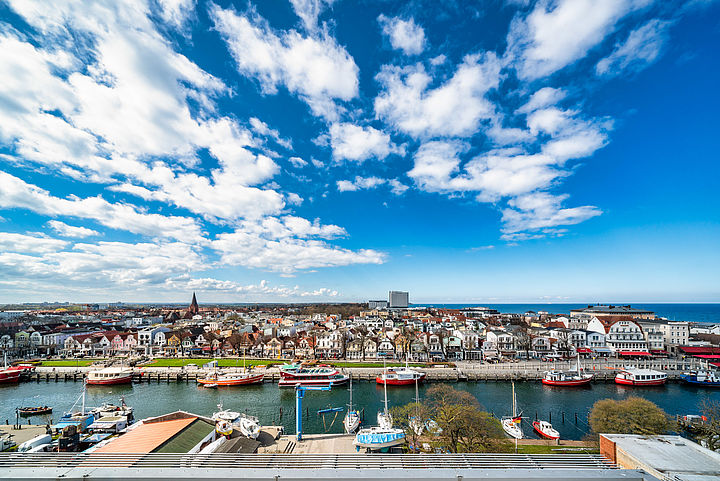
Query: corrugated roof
<point x="147" y="437"/>
<point x="186" y="439"/>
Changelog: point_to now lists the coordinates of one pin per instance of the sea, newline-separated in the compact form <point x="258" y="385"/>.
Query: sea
<point x="709" y="313"/>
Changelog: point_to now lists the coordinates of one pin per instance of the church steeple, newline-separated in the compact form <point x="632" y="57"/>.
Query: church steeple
<point x="194" y="309"/>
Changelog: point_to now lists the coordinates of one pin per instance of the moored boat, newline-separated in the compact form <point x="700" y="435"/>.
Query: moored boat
<point x="702" y="378"/>
<point x="640" y="377"/>
<point x="225" y="419"/>
<point x="31" y="411"/>
<point x="315" y="376"/>
<point x="545" y="430"/>
<point x="232" y="379"/>
<point x="351" y="421"/>
<point x="9" y="374"/>
<point x="567" y="378"/>
<point x="512" y="425"/>
<point x="400" y="377"/>
<point x="110" y="376"/>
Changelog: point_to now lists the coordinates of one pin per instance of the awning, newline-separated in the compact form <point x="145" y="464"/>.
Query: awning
<point x="583" y="350"/>
<point x="634" y="353"/>
<point x="603" y="350"/>
<point x="708" y="356"/>
<point x="699" y="349"/>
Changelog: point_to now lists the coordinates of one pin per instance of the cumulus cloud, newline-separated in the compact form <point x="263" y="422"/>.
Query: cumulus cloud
<point x="455" y="108"/>
<point x="66" y="230"/>
<point x="540" y="211"/>
<point x="368" y="183"/>
<point x="555" y="34"/>
<point x="309" y="11"/>
<point x="297" y="162"/>
<point x="404" y="35"/>
<point x="287" y="245"/>
<point x="13" y="242"/>
<point x="316" y="69"/>
<point x="354" y="142"/>
<point x="641" y="48"/>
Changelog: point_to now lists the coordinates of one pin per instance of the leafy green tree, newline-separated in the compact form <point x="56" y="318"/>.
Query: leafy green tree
<point x="463" y="425"/>
<point x="408" y="418"/>
<point x="633" y="415"/>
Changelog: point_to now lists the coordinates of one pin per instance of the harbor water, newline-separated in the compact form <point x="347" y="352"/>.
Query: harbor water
<point x="566" y="408"/>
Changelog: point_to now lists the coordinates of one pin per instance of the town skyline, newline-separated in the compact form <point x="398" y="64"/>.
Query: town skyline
<point x="321" y="151"/>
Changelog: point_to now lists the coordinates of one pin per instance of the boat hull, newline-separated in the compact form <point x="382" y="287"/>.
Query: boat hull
<point x="258" y="379"/>
<point x="9" y="376"/>
<point x="110" y="381"/>
<point x="567" y="383"/>
<point x="695" y="382"/>
<point x="632" y="382"/>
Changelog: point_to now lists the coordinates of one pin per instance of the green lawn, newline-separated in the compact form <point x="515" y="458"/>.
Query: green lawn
<point x="553" y="449"/>
<point x="68" y="363"/>
<point x="368" y="364"/>
<point x="235" y="362"/>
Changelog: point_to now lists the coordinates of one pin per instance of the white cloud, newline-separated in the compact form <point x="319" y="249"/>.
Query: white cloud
<point x="287" y="245"/>
<point x="368" y="183"/>
<point x="555" y="34"/>
<point x="404" y="35"/>
<point x="297" y="162"/>
<point x="12" y="242"/>
<point x="309" y="11"/>
<point x="455" y="108"/>
<point x="66" y="230"/>
<point x="16" y="193"/>
<point x="354" y="142"/>
<point x="539" y="211"/>
<point x="640" y="49"/>
<point x="176" y="12"/>
<point x="544" y="97"/>
<point x="316" y="69"/>
<point x="262" y="129"/>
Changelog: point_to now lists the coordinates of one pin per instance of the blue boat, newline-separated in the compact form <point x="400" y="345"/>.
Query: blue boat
<point x="331" y="410"/>
<point x="702" y="378"/>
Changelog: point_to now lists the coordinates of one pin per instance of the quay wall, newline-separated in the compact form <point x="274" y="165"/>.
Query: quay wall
<point x="604" y="371"/>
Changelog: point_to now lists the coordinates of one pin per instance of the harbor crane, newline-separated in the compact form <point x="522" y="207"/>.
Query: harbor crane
<point x="299" y="395"/>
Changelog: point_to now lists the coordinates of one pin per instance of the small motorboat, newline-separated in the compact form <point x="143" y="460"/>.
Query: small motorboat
<point x="545" y="430"/>
<point x="209" y="386"/>
<point x="702" y="378"/>
<point x="248" y="425"/>
<point x="30" y="411"/>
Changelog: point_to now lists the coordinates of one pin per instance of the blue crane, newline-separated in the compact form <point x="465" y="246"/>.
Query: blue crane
<point x="299" y="395"/>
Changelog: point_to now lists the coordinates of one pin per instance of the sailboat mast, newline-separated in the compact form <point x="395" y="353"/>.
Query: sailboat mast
<point x="351" y="392"/>
<point x="514" y="402"/>
<point x="385" y="385"/>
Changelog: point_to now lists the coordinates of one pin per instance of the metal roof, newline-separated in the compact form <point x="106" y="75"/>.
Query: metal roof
<point x="319" y="467"/>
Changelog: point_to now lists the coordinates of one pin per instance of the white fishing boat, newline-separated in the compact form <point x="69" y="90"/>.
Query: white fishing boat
<point x="248" y="425"/>
<point x="545" y="430"/>
<point x="512" y="425"/>
<point x="383" y="436"/>
<point x="352" y="418"/>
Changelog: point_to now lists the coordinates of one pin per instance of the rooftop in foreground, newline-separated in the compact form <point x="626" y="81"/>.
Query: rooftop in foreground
<point x="360" y="467"/>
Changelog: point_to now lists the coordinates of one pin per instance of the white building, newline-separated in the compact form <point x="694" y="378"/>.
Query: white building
<point x="398" y="299"/>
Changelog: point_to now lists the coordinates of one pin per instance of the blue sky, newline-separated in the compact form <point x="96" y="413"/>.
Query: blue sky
<point x="332" y="150"/>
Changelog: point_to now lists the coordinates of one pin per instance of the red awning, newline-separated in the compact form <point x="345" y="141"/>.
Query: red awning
<point x="584" y="350"/>
<point x="634" y="353"/>
<point x="699" y="349"/>
<point x="708" y="356"/>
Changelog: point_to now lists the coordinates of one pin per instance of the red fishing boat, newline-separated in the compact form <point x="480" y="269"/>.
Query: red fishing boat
<point x="640" y="377"/>
<point x="567" y="378"/>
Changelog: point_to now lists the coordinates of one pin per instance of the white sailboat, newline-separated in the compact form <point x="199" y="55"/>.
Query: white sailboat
<point x="416" y="424"/>
<point x="512" y="424"/>
<point x="352" y="417"/>
<point x="383" y="436"/>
